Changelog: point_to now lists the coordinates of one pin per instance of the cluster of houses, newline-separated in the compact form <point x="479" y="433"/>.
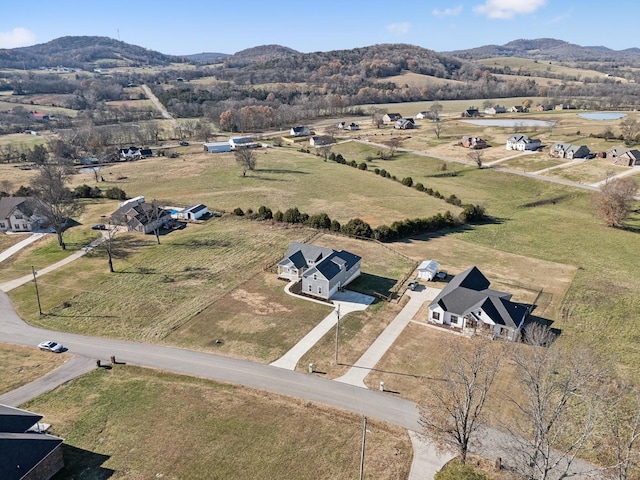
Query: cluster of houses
<point x="398" y="122"/>
<point x="497" y="109"/>
<point x="134" y="153"/>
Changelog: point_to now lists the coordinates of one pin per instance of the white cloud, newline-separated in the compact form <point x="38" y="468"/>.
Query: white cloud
<point x="507" y="9"/>
<point x="18" y="37"/>
<point x="448" y="12"/>
<point x="399" y="28"/>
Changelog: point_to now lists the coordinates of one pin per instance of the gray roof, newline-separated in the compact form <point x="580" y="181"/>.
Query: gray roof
<point x="21" y="452"/>
<point x="469" y="291"/>
<point x="7" y="204"/>
<point x="334" y="263"/>
<point x="14" y="420"/>
<point x="309" y="252"/>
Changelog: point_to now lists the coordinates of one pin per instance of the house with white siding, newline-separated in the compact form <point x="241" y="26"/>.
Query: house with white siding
<point x="15" y="214"/>
<point x="522" y="143"/>
<point x="468" y="305"/>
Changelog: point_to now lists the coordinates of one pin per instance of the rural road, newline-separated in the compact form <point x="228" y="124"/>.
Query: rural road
<point x="163" y="111"/>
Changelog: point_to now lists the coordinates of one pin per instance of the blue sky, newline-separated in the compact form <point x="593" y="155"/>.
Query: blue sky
<point x="194" y="26"/>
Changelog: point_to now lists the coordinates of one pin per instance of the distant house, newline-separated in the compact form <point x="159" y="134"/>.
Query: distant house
<point x="422" y="115"/>
<point x="470" y="113"/>
<point x="323" y="271"/>
<point x="15" y="214"/>
<point x="193" y="213"/>
<point x="404" y="124"/>
<point x="517" y="109"/>
<point x="625" y="157"/>
<point x="217" y="147"/>
<point x="427" y="270"/>
<point x="25" y="452"/>
<point x="495" y="110"/>
<point x="352" y="126"/>
<point x="300" y="131"/>
<point x="140" y="217"/>
<point x="544" y="108"/>
<point x="391" y="118"/>
<point x="564" y="106"/>
<point x="467" y="304"/>
<point x="320" y="140"/>
<point x="242" y="142"/>
<point x="522" y="143"/>
<point x="341" y="125"/>
<point x="473" y="142"/>
<point x="568" y="151"/>
<point x="134" y="153"/>
<point x="41" y="117"/>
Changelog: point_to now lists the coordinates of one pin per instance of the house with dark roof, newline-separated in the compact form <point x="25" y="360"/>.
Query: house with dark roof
<point x="471" y="113"/>
<point x="522" y="143"/>
<point x="140" y="217"/>
<point x="391" y="118"/>
<point x="300" y="257"/>
<point x="468" y="304"/>
<point x="25" y="452"/>
<point x="15" y="214"/>
<point x="193" y="213"/>
<point x="300" y="131"/>
<point x="568" y="151"/>
<point x="320" y="140"/>
<point x="323" y="271"/>
<point x="404" y="124"/>
<point x="626" y="157"/>
<point x="475" y="143"/>
<point x="135" y="153"/>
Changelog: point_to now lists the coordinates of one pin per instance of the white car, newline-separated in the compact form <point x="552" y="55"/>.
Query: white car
<point x="50" y="346"/>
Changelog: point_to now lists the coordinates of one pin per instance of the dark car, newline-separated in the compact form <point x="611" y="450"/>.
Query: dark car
<point x="99" y="226"/>
<point x="184" y="144"/>
<point x="413" y="284"/>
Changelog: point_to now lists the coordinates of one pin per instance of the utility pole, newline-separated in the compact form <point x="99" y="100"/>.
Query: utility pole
<point x="35" y="282"/>
<point x="364" y="438"/>
<point x="337" y="331"/>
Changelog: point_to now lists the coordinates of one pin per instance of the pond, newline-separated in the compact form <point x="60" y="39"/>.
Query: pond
<point x="602" y="115"/>
<point x="510" y="123"/>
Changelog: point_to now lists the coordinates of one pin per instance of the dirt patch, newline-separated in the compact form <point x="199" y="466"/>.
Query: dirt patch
<point x="258" y="304"/>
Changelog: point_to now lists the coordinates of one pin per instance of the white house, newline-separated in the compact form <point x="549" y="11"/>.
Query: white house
<point x="320" y="140"/>
<point x="468" y="304"/>
<point x="15" y="214"/>
<point x="300" y="131"/>
<point x="427" y="270"/>
<point x="242" y="142"/>
<point x="217" y="147"/>
<point x="522" y="143"/>
<point x="323" y="271"/>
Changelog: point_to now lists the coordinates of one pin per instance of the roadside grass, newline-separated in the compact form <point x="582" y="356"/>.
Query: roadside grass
<point x="156" y="288"/>
<point x="590" y="171"/>
<point x="531" y="163"/>
<point x="118" y="423"/>
<point x="22" y="365"/>
<point x="7" y="241"/>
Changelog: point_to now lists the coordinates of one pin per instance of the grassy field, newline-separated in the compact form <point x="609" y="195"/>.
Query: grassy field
<point x="21" y="365"/>
<point x="118" y="423"/>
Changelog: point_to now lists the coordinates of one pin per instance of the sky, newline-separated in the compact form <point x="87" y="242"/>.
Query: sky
<point x="195" y="26"/>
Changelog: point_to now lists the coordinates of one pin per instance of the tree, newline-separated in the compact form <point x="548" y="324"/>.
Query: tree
<point x="557" y="404"/>
<point x="452" y="411"/>
<point x="357" y="228"/>
<point x="393" y="145"/>
<point x="246" y="158"/>
<point x="476" y="156"/>
<point x="435" y="110"/>
<point x="437" y="128"/>
<point x="630" y="128"/>
<point x="325" y="150"/>
<point x="615" y="200"/>
<point x="53" y="201"/>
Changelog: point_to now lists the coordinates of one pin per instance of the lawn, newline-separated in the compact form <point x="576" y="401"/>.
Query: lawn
<point x="119" y="422"/>
<point x="21" y="365"/>
<point x="590" y="171"/>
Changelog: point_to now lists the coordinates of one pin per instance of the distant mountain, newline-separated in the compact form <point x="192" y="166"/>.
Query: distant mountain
<point x="549" y="49"/>
<point x="265" y="52"/>
<point x="84" y="52"/>
<point x="206" y="57"/>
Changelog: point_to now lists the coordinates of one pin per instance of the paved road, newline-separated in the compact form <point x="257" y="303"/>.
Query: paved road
<point x="20" y="245"/>
<point x="163" y="111"/>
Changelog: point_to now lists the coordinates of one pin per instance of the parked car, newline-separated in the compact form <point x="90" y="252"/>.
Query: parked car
<point x="99" y="226"/>
<point x="441" y="275"/>
<point x="184" y="143"/>
<point x="413" y="284"/>
<point x="50" y="346"/>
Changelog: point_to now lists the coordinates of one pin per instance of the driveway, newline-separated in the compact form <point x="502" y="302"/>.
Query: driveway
<point x="20" y="245"/>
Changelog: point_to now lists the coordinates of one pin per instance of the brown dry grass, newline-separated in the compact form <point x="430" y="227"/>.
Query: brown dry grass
<point x="21" y="365"/>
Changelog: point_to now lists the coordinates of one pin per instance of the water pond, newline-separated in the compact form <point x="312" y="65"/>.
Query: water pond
<point x="602" y="115"/>
<point x="509" y="123"/>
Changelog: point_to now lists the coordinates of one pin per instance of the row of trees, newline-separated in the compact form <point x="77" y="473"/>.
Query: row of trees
<point x="565" y="403"/>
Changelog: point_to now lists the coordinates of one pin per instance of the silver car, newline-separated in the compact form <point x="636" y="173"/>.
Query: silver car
<point x="50" y="346"/>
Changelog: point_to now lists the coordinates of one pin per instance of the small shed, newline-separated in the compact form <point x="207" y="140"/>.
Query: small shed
<point x="427" y="270"/>
<point x="193" y="213"/>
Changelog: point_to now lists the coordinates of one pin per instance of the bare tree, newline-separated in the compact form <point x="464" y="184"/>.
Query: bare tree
<point x="246" y="158"/>
<point x="53" y="201"/>
<point x="476" y="156"/>
<point x="435" y="110"/>
<point x="325" y="151"/>
<point x="393" y="144"/>
<point x="452" y="411"/>
<point x="615" y="200"/>
<point x="437" y="127"/>
<point x="557" y="397"/>
<point x="630" y="129"/>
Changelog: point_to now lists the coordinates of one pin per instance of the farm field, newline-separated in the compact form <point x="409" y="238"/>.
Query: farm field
<point x="110" y="423"/>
